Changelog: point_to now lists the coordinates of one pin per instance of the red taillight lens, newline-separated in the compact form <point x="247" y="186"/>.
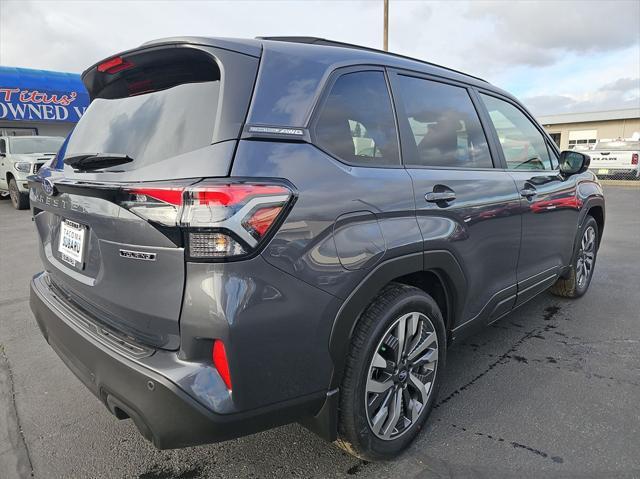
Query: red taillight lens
<point x="223" y="220"/>
<point x="114" y="65"/>
<point x="221" y="362"/>
<point x="229" y="195"/>
<point x="634" y="159"/>
<point x="259" y="222"/>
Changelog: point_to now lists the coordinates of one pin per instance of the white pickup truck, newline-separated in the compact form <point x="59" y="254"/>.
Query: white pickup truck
<point x="617" y="158"/>
<point x="21" y="156"/>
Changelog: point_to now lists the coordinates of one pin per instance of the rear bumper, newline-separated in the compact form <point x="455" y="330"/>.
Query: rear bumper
<point x="628" y="172"/>
<point x="135" y="387"/>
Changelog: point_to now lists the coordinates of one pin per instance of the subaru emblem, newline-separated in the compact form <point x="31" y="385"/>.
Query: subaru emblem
<point x="48" y="187"/>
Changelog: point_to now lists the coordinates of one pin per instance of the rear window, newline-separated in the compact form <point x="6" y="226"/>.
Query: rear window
<point x="618" y="145"/>
<point x="163" y="104"/>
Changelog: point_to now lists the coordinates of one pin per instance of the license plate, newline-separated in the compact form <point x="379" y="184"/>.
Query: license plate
<point x="71" y="244"/>
<point x="603" y="172"/>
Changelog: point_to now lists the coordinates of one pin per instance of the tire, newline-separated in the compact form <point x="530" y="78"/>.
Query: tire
<point x="19" y="200"/>
<point x="364" y="430"/>
<point x="577" y="283"/>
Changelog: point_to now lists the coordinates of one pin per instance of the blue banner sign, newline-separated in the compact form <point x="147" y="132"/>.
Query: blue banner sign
<point x="41" y="96"/>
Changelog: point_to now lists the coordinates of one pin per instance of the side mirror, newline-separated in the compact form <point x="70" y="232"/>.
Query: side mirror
<point x="573" y="162"/>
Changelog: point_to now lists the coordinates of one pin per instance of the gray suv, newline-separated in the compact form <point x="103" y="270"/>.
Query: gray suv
<point x="240" y="234"/>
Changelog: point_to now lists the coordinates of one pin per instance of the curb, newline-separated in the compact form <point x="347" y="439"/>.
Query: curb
<point x="620" y="183"/>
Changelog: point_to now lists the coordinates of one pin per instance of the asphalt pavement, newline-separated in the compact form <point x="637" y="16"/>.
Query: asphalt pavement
<point x="553" y="390"/>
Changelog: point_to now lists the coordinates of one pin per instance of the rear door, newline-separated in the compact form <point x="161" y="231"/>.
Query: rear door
<point x="110" y="235"/>
<point x="464" y="204"/>
<point x="549" y="201"/>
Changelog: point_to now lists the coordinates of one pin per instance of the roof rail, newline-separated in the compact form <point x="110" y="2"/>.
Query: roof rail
<point x="333" y="43"/>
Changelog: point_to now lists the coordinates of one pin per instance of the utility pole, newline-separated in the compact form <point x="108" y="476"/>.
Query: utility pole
<point x="386" y="26"/>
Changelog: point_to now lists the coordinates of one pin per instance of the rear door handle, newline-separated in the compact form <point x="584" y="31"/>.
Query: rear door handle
<point x="436" y="196"/>
<point x="528" y="192"/>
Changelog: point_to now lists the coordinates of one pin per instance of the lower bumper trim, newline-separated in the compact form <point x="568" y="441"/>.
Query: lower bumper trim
<point x="163" y="413"/>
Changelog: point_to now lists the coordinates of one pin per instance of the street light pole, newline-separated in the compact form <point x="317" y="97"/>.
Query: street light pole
<point x="386" y="26"/>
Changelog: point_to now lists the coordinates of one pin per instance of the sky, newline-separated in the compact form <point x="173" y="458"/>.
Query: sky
<point x="556" y="56"/>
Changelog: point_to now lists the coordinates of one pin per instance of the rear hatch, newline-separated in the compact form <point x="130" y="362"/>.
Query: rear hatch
<point x="158" y="122"/>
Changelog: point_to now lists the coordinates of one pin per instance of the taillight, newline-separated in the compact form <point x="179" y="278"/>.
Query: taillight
<point x="219" y="220"/>
<point x="221" y="363"/>
<point x="634" y="159"/>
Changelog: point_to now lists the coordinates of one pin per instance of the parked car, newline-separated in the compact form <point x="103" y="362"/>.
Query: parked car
<point x="21" y="156"/>
<point x="618" y="158"/>
<point x="239" y="234"/>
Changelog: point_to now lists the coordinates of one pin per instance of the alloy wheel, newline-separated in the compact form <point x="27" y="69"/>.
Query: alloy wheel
<point x="401" y="375"/>
<point x="586" y="256"/>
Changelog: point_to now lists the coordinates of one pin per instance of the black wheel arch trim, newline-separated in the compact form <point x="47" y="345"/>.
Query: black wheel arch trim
<point x="441" y="262"/>
<point x="587" y="206"/>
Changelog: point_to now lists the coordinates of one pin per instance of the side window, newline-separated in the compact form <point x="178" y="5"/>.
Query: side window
<point x="523" y="145"/>
<point x="444" y="124"/>
<point x="356" y="122"/>
<point x="3" y="146"/>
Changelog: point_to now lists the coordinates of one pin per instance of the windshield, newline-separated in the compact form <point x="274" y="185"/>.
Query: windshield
<point x="35" y="144"/>
<point x="618" y="145"/>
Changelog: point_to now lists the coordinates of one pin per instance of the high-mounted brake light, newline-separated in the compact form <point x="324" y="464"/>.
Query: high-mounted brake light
<point x="114" y="65"/>
<point x="221" y="220"/>
<point x="634" y="159"/>
<point x="221" y="363"/>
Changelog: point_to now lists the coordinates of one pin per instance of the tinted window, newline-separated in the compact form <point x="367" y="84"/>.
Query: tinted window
<point x="523" y="145"/>
<point x="150" y="127"/>
<point x="3" y="147"/>
<point x="356" y="123"/>
<point x="444" y="125"/>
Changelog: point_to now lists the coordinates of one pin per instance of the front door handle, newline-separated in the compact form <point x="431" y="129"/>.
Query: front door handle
<point x="528" y="192"/>
<point x="437" y="196"/>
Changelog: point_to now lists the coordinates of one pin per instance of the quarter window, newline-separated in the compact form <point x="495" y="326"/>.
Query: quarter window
<point x="444" y="125"/>
<point x="356" y="123"/>
<point x="523" y="145"/>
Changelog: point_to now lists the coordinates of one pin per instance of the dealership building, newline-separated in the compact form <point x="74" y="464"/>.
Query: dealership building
<point x="39" y="102"/>
<point x="570" y="130"/>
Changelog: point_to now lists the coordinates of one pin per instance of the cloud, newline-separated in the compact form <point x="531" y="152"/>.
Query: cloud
<point x="619" y="94"/>
<point x="533" y="49"/>
<point x="72" y="35"/>
<point x="622" y="84"/>
<point x="539" y="33"/>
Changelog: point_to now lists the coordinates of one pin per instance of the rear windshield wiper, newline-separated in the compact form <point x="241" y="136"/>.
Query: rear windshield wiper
<point x="96" y="161"/>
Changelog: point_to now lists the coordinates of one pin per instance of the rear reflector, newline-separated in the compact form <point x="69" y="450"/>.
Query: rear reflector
<point x="221" y="362"/>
